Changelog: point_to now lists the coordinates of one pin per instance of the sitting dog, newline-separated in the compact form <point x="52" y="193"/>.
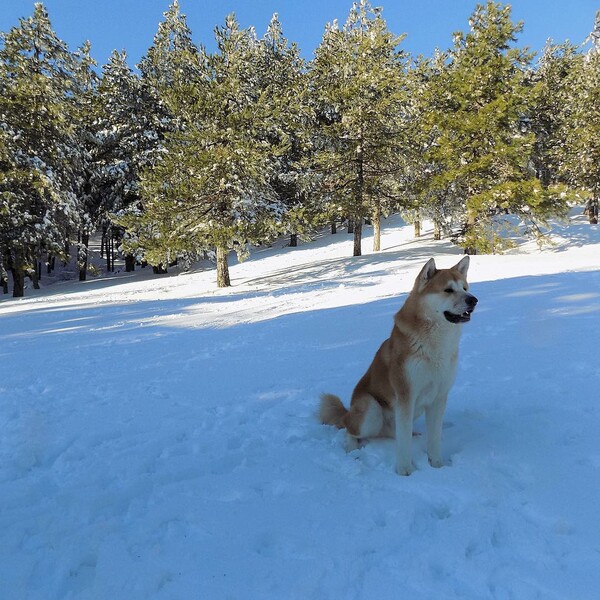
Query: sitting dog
<point x="413" y="370"/>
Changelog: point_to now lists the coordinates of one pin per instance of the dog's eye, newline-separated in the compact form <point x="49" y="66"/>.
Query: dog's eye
<point x="449" y="290"/>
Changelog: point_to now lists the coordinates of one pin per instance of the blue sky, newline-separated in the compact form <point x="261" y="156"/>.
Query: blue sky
<point x="131" y="24"/>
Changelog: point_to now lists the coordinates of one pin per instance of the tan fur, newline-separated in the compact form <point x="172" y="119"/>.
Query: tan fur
<point x="413" y="370"/>
<point x="331" y="410"/>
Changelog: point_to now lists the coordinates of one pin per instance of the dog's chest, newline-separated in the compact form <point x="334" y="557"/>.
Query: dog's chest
<point x="432" y="369"/>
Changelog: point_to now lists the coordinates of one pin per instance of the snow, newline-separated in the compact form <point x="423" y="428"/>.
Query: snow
<point x="159" y="440"/>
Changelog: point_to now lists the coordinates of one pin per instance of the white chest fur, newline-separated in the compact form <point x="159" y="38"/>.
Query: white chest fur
<point x="432" y="369"/>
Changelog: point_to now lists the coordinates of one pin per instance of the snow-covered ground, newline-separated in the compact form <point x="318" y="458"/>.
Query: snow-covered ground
<point x="158" y="436"/>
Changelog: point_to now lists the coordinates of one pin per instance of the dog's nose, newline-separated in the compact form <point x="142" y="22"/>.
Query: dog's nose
<point x="471" y="301"/>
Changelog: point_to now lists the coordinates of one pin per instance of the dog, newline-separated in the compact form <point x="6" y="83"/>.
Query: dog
<point x="413" y="370"/>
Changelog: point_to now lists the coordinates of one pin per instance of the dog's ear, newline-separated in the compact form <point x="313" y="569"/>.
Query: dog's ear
<point x="463" y="265"/>
<point x="427" y="272"/>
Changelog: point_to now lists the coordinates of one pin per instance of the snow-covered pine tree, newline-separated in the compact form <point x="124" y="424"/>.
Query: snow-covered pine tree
<point x="6" y="165"/>
<point x="594" y="37"/>
<point x="287" y="127"/>
<point x="485" y="142"/>
<point x="171" y="60"/>
<point x="82" y="110"/>
<point x="211" y="189"/>
<point x="127" y="137"/>
<point x="357" y="80"/>
<point x="425" y="87"/>
<point x="38" y="189"/>
<point x="551" y="92"/>
<point x="170" y="66"/>
<point x="169" y="69"/>
<point x="580" y="152"/>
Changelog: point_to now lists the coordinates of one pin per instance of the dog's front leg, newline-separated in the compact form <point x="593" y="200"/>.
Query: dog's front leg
<point x="403" y="414"/>
<point x="434" y="417"/>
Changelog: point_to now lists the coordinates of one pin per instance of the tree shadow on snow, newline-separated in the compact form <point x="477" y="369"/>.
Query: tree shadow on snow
<point x="532" y="312"/>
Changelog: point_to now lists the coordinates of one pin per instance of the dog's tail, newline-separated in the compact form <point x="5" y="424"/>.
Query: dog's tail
<point x="332" y="411"/>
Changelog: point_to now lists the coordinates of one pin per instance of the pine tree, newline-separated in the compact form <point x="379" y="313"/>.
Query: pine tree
<point x="485" y="144"/>
<point x="38" y="188"/>
<point x="550" y="107"/>
<point x="82" y="103"/>
<point x="128" y="139"/>
<point x="170" y="66"/>
<point x="357" y="79"/>
<point x="580" y="118"/>
<point x="288" y="127"/>
<point x="168" y="71"/>
<point x="6" y="206"/>
<point x="425" y="85"/>
<point x="211" y="188"/>
<point x="170" y="61"/>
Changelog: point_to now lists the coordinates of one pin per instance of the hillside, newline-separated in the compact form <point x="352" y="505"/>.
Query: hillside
<point x="158" y="435"/>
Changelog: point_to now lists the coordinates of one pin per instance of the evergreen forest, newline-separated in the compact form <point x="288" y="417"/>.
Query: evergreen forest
<point x="195" y="154"/>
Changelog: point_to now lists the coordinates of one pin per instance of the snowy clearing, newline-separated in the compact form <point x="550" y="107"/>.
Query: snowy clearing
<point x="158" y="436"/>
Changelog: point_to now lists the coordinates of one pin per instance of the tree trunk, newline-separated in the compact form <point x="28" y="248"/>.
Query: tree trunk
<point x="35" y="274"/>
<point x="82" y="259"/>
<point x="350" y="226"/>
<point x="376" y="228"/>
<point x="4" y="284"/>
<point x="471" y="219"/>
<point x="592" y="211"/>
<point x="18" y="274"/>
<point x="333" y="227"/>
<point x="357" y="237"/>
<point x="67" y="253"/>
<point x="103" y="242"/>
<point x="437" y="231"/>
<point x="418" y="228"/>
<point x="360" y="190"/>
<point x="293" y="240"/>
<point x="129" y="263"/>
<point x="222" y="268"/>
<point x="109" y="266"/>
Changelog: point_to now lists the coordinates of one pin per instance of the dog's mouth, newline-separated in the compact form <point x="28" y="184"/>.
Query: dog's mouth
<point x="462" y="318"/>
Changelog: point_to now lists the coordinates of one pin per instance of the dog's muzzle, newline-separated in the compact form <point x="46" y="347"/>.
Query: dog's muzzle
<point x="470" y="301"/>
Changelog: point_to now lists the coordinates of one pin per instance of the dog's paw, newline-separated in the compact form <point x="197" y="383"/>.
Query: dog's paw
<point x="351" y="443"/>
<point x="404" y="470"/>
<point x="438" y="463"/>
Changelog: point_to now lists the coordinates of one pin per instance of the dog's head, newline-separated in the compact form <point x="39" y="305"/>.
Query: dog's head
<point x="446" y="291"/>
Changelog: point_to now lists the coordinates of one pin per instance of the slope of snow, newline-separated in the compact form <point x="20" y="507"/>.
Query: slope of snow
<point x="158" y="436"/>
